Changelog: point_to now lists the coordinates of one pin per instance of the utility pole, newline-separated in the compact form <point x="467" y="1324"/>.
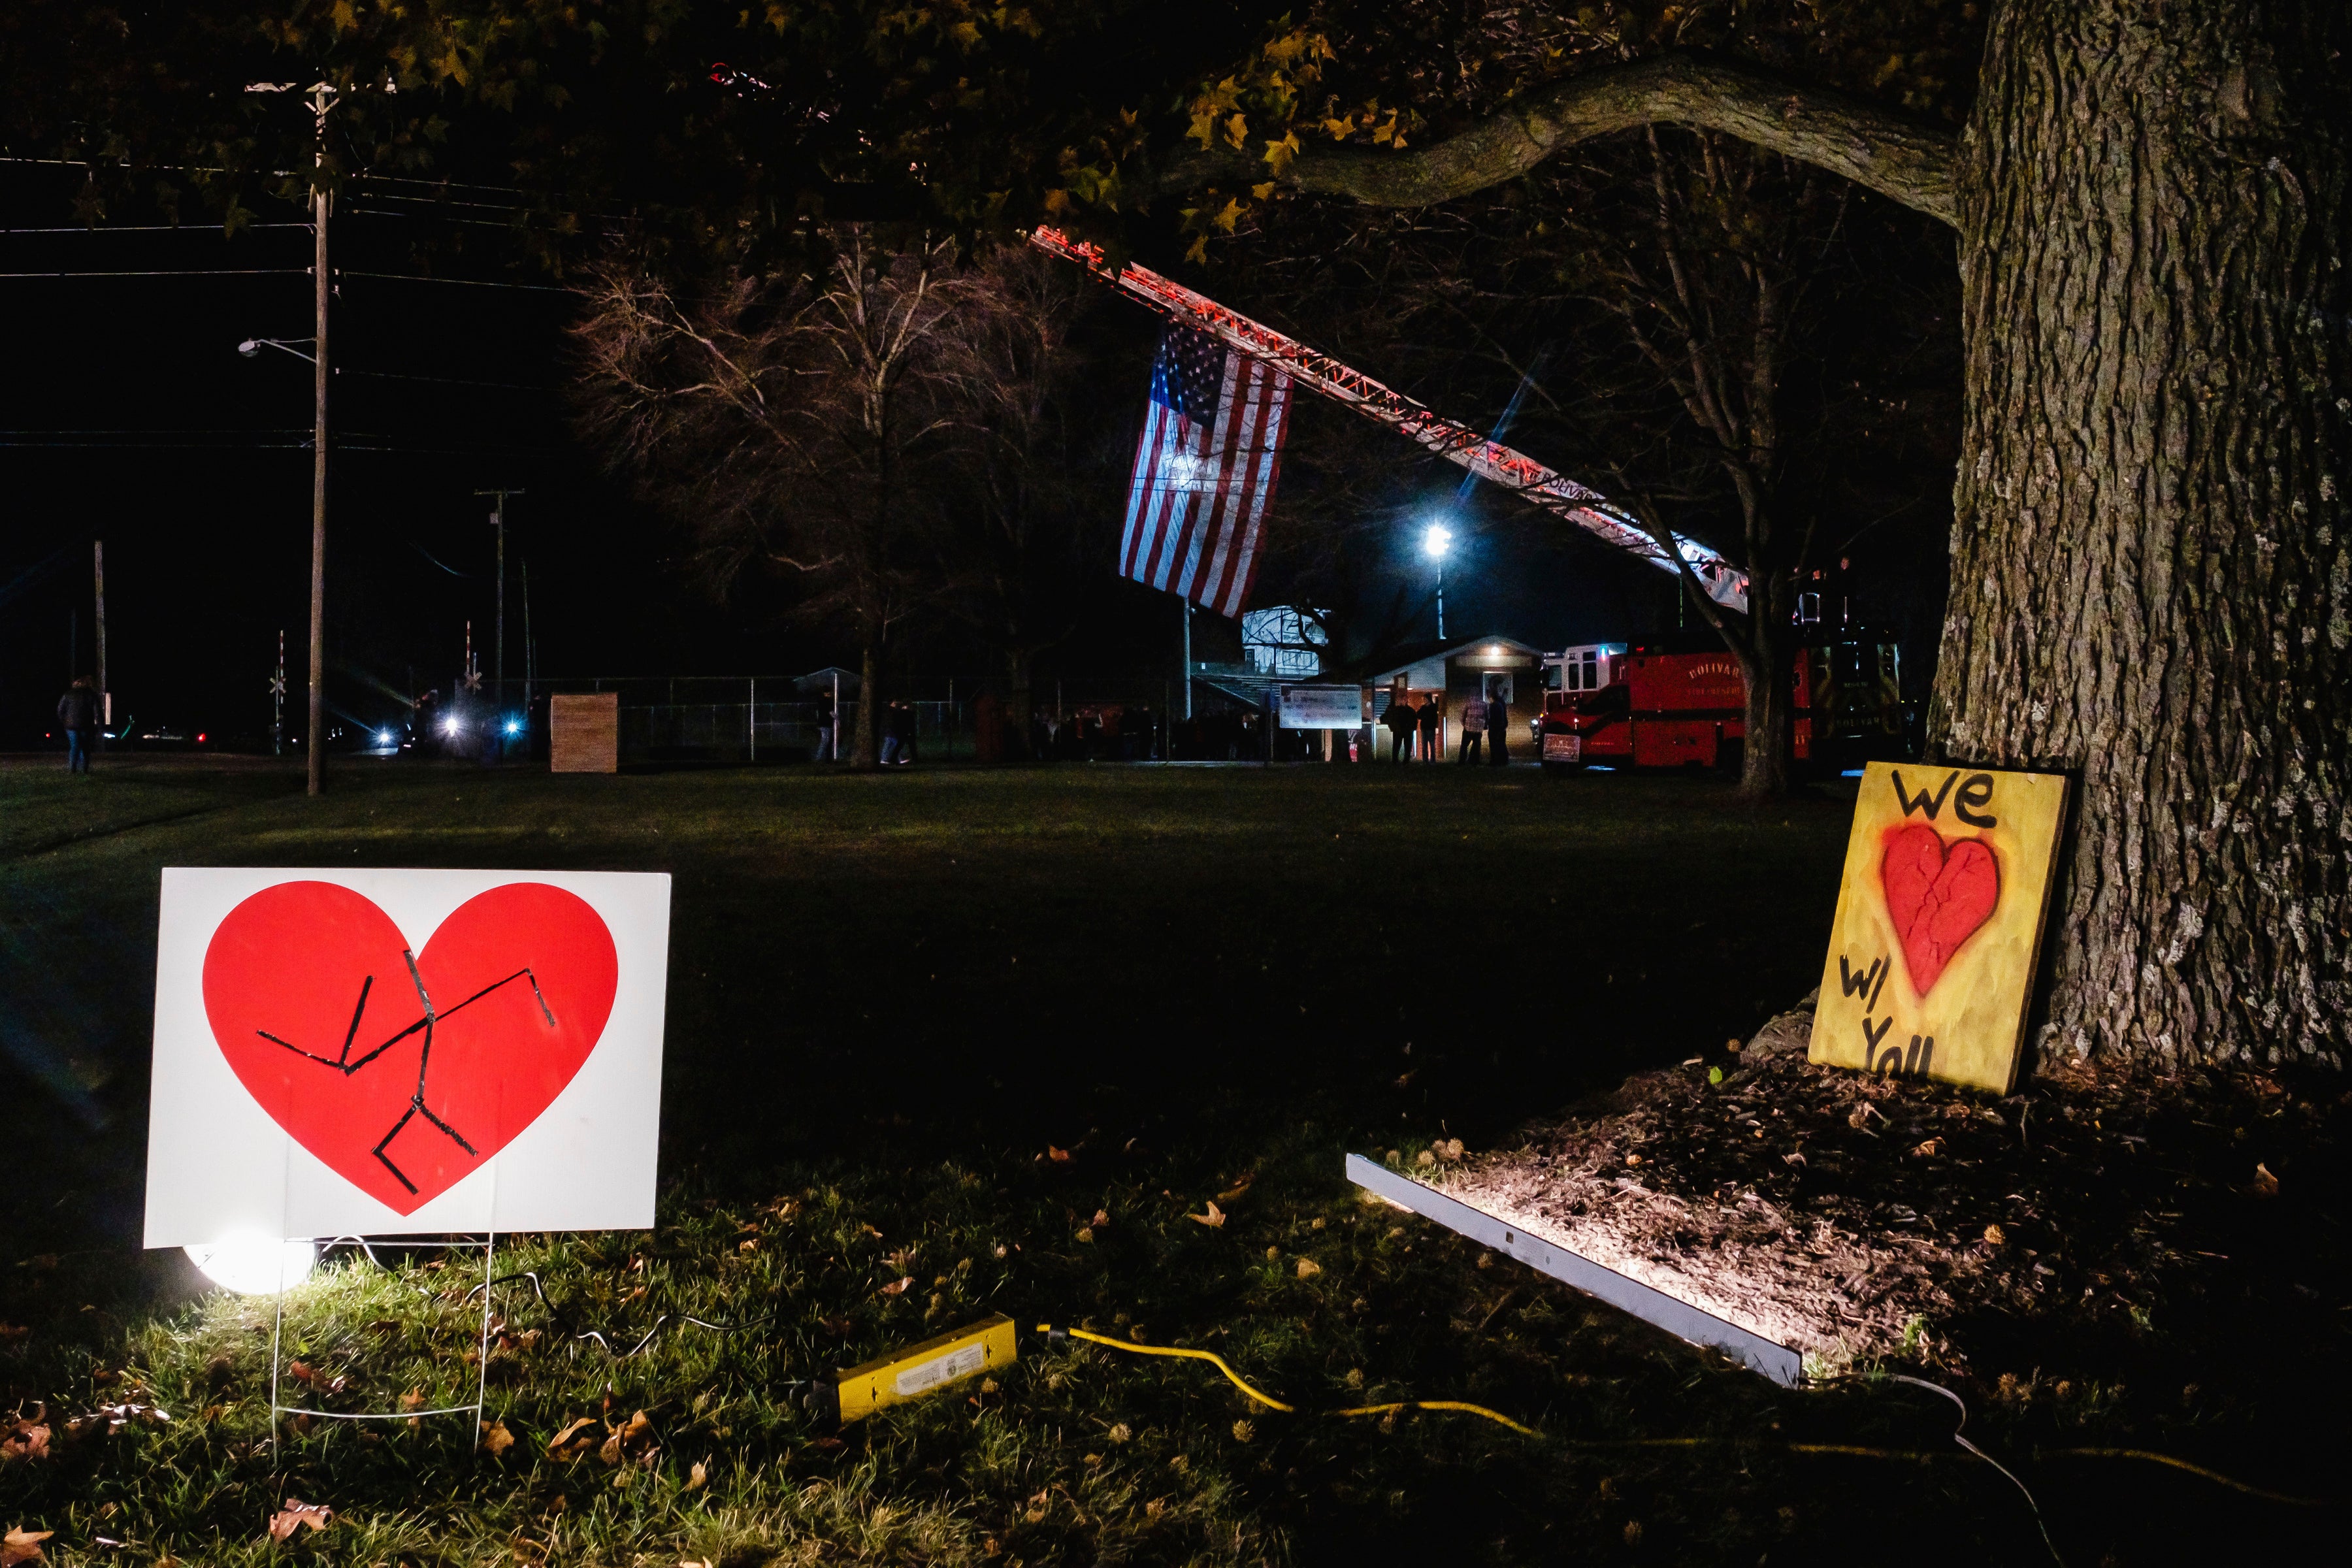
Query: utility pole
<point x="529" y="653"/>
<point x="278" y="702"/>
<point x="498" y="636"/>
<point x="1188" y="656"/>
<point x="97" y="573"/>
<point x="322" y="97"/>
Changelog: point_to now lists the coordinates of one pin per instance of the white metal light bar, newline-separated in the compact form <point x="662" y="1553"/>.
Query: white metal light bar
<point x="1679" y="1317"/>
<point x="1457" y="442"/>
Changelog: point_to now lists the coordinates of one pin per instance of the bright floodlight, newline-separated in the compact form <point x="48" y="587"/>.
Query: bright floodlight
<point x="1436" y="540"/>
<point x="384" y="737"/>
<point x="449" y="726"/>
<point x="254" y="1265"/>
<point x="514" y="726"/>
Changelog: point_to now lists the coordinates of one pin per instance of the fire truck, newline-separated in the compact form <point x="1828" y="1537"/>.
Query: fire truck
<point x="1679" y="701"/>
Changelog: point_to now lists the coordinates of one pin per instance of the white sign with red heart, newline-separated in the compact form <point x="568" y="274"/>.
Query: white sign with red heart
<point x="403" y="1052"/>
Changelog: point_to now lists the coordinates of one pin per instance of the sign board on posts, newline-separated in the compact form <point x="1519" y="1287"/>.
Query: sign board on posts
<point x="1320" y="706"/>
<point x="584" y="733"/>
<point x="1939" y="921"/>
<point x="369" y="1053"/>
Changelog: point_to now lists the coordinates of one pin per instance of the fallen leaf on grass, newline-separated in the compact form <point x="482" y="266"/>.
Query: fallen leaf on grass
<point x="870" y="1231"/>
<point x="1994" y="1236"/>
<point x="1243" y="1431"/>
<point x="296" y="1516"/>
<point x="1059" y="1156"/>
<point x="697" y="1476"/>
<point x="2265" y="1184"/>
<point x="22" y="1439"/>
<point x="1792" y="1159"/>
<point x="1929" y="1149"/>
<point x="569" y="1443"/>
<point x="22" y="1546"/>
<point x="1238" y="1191"/>
<point x="1214" y="1218"/>
<point x="497" y="1439"/>
<point x="1085" y="1233"/>
<point x="1102" y="1218"/>
<point x="11" y="1333"/>
<point x="898" y="1287"/>
<point x="1308" y="1268"/>
<point x="835" y="1325"/>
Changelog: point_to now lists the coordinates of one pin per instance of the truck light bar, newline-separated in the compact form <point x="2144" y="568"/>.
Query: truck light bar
<point x="1457" y="442"/>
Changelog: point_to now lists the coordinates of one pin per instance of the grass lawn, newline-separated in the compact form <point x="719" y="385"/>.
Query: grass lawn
<point x="890" y="997"/>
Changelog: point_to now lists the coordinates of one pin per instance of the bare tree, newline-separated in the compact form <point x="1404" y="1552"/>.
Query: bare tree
<point x="1020" y="545"/>
<point x="798" y="422"/>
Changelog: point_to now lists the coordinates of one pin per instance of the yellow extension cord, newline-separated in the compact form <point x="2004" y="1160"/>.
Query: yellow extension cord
<point x="1855" y="1449"/>
<point x="1269" y="1401"/>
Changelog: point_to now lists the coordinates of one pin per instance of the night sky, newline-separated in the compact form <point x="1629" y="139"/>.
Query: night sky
<point x="129" y="416"/>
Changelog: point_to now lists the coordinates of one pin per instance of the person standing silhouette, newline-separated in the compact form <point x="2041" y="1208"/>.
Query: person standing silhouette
<point x="1432" y="727"/>
<point x="1498" y="727"/>
<point x="78" y="715"/>
<point x="1474" y="726"/>
<point x="1399" y="721"/>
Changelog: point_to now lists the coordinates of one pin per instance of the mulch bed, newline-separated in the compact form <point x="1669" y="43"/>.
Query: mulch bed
<point x="1860" y="1218"/>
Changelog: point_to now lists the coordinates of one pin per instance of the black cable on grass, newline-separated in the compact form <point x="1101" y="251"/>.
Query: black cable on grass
<point x="1961" y="1437"/>
<point x="565" y="1323"/>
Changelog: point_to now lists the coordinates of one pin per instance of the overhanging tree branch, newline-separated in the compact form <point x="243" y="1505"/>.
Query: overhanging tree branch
<point x="1897" y="157"/>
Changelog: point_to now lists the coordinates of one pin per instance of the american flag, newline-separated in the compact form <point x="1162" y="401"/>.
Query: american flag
<point x="1205" y="472"/>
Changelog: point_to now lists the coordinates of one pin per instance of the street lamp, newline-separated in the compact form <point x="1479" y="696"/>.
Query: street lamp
<point x="252" y="347"/>
<point x="1437" y="542"/>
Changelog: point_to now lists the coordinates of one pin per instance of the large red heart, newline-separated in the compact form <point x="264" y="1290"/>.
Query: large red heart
<point x="1937" y="895"/>
<point x="315" y="1001"/>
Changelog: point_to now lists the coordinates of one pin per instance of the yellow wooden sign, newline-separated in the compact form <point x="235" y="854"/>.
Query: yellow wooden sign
<point x="1947" y="875"/>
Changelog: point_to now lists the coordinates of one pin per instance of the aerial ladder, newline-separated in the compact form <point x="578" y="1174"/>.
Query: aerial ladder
<point x="1457" y="442"/>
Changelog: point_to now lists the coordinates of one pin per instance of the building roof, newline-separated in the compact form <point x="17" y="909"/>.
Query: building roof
<point x="1421" y="653"/>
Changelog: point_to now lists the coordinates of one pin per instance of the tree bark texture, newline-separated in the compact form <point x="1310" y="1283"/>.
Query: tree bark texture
<point x="2151" y="568"/>
<point x="866" y="740"/>
<point x="1897" y="157"/>
<point x="1018" y="665"/>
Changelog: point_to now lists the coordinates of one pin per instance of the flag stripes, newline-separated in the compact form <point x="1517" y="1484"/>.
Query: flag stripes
<point x="1204" y="471"/>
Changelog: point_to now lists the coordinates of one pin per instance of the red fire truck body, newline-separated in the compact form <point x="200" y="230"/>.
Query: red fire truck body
<point x="1660" y="705"/>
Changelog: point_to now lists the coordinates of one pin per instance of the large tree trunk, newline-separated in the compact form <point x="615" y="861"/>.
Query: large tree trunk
<point x="868" y="735"/>
<point x="1018" y="664"/>
<point x="1767" y="669"/>
<point x="2151" y="581"/>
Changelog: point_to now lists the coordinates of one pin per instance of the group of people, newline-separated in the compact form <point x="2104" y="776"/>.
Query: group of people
<point x="898" y="731"/>
<point x="1484" y="718"/>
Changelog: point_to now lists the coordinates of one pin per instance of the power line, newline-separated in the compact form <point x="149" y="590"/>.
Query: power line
<point x="152" y="228"/>
<point x="172" y="272"/>
<point x="468" y="282"/>
<point x="448" y="380"/>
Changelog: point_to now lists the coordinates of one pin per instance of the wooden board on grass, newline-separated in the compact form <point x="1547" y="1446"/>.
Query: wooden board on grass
<point x="1939" y="919"/>
<point x="584" y="733"/>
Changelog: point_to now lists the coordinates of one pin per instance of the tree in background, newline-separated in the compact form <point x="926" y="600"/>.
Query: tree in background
<point x="1027" y="516"/>
<point x="805" y="424"/>
<point x="2150" y="585"/>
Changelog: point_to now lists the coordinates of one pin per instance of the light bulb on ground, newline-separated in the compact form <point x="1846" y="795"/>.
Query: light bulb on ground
<point x="253" y="1265"/>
